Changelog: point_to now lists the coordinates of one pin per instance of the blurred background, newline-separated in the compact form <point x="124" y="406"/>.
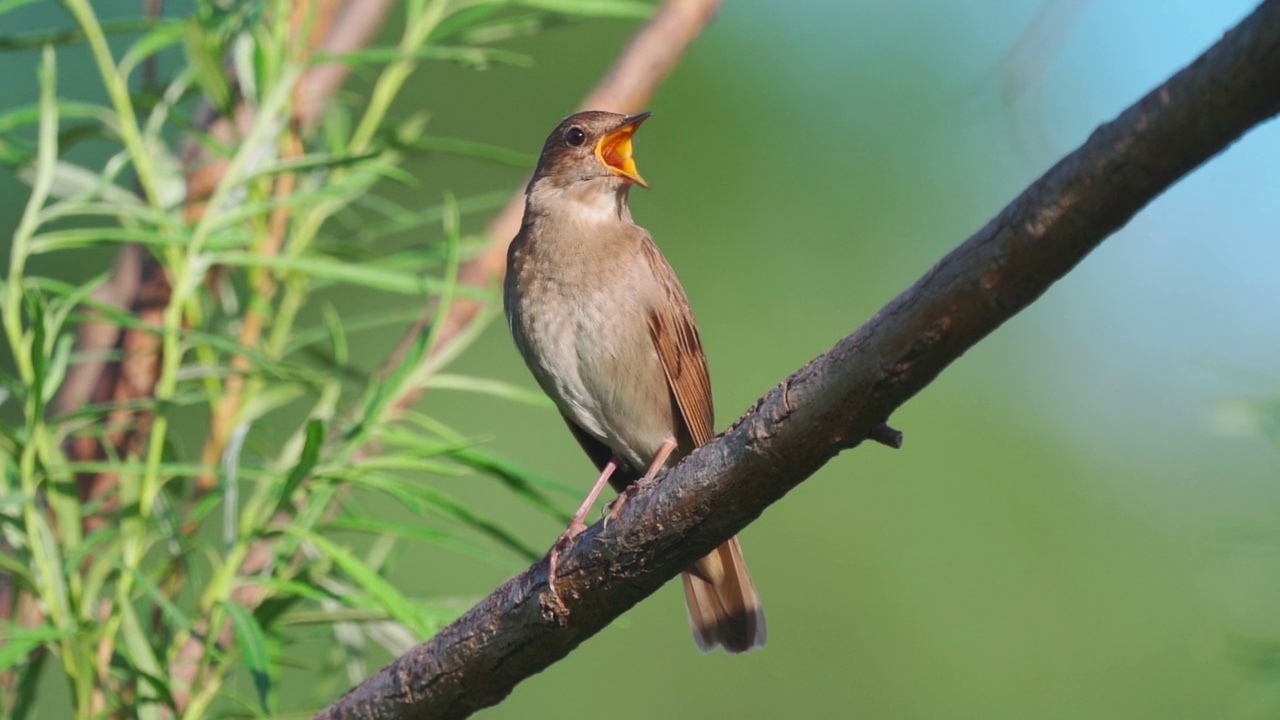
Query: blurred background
<point x="1085" y="518"/>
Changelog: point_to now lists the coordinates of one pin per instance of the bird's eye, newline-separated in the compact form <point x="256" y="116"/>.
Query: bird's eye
<point x="575" y="136"/>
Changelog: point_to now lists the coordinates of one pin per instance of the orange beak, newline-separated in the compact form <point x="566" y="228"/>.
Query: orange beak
<point x="614" y="149"/>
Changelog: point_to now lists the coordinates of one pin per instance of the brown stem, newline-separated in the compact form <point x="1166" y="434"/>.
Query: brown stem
<point x="835" y="401"/>
<point x="222" y="419"/>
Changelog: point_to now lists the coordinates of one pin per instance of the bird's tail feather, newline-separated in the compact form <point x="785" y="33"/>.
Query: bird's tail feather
<point x="724" y="608"/>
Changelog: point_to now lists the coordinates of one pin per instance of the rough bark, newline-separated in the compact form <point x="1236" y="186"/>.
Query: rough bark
<point x="835" y="401"/>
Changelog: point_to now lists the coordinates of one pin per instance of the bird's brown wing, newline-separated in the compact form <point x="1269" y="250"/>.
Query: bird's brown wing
<point x="675" y="335"/>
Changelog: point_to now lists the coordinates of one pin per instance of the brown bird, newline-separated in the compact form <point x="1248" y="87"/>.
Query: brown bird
<point x="605" y="327"/>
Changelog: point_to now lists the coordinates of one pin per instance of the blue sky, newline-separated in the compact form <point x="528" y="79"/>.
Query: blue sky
<point x="1188" y="295"/>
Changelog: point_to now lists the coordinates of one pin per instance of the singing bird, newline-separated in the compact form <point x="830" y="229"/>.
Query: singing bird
<point x="605" y="327"/>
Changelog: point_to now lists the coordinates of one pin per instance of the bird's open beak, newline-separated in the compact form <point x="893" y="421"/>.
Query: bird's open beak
<point x="614" y="149"/>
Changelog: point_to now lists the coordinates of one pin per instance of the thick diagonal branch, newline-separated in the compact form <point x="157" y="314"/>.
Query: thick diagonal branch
<point x="832" y="403"/>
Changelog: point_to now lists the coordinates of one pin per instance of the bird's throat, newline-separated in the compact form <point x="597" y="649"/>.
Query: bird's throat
<point x="596" y="201"/>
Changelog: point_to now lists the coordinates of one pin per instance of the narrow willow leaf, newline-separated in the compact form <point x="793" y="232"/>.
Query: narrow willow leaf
<point x="142" y="656"/>
<point x="253" y="645"/>
<point x="314" y="335"/>
<point x="509" y="27"/>
<point x="419" y="498"/>
<point x="32" y="41"/>
<point x="338" y="614"/>
<point x="378" y="589"/>
<point x="337" y="335"/>
<point x="11" y="5"/>
<point x="27" y="685"/>
<point x="464" y="19"/>
<point x="160" y="35"/>
<point x="93" y="237"/>
<point x="472" y="149"/>
<point x="273" y="397"/>
<point x="74" y="182"/>
<point x="205" y="56"/>
<point x="68" y="109"/>
<point x="316" y="161"/>
<point x="18" y="642"/>
<point x="519" y="481"/>
<point x="171" y="612"/>
<point x="376" y="278"/>
<point x="487" y="386"/>
<point x="618" y="9"/>
<point x="20" y="573"/>
<point x="411" y="532"/>
<point x="434" y="214"/>
<point x="476" y="57"/>
<point x="57" y="366"/>
<point x="306" y="462"/>
<point x="35" y="304"/>
<point x="488" y="527"/>
<point x="287" y="588"/>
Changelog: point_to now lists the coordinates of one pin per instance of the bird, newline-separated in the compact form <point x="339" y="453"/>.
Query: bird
<point x="605" y="327"/>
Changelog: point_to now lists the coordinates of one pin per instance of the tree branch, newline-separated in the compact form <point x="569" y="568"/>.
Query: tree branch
<point x="837" y="400"/>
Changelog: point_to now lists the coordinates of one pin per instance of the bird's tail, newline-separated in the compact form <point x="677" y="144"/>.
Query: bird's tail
<point x="724" y="608"/>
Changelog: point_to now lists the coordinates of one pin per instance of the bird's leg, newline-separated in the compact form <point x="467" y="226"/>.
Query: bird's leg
<point x="576" y="525"/>
<point x="660" y="459"/>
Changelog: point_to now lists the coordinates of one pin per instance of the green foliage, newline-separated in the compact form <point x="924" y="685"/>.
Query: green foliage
<point x="145" y="599"/>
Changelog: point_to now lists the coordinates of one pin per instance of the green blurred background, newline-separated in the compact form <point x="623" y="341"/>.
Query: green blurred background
<point x="1081" y="524"/>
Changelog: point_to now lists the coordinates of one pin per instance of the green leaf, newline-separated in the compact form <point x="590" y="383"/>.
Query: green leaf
<point x="376" y="278"/>
<point x="409" y="531"/>
<point x="476" y="57"/>
<point x="27" y="685"/>
<point x="142" y="656"/>
<point x="74" y="182"/>
<point x="162" y="34"/>
<point x="618" y="9"/>
<point x="94" y="237"/>
<point x="35" y="40"/>
<point x="424" y="497"/>
<point x="517" y="480"/>
<point x="315" y="161"/>
<point x="205" y="54"/>
<point x="508" y="27"/>
<point x="57" y="370"/>
<point x="464" y="19"/>
<point x="20" y="641"/>
<point x="253" y="644"/>
<point x="306" y="462"/>
<point x="472" y="149"/>
<point x="378" y="589"/>
<point x="486" y="386"/>
<point x="272" y="397"/>
<point x="39" y="360"/>
<point x="20" y="572"/>
<point x="24" y="115"/>
<point x="11" y="5"/>
<point x="175" y="616"/>
<point x="434" y="214"/>
<point x="290" y="588"/>
<point x="311" y="336"/>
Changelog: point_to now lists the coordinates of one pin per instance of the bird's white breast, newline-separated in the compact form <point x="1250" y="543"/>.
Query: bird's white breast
<point x="594" y="356"/>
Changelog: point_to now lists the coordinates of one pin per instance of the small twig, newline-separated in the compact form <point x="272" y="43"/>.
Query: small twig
<point x="841" y="396"/>
<point x="886" y="435"/>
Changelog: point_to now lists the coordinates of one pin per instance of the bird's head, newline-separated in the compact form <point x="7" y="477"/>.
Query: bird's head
<point x="591" y="146"/>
